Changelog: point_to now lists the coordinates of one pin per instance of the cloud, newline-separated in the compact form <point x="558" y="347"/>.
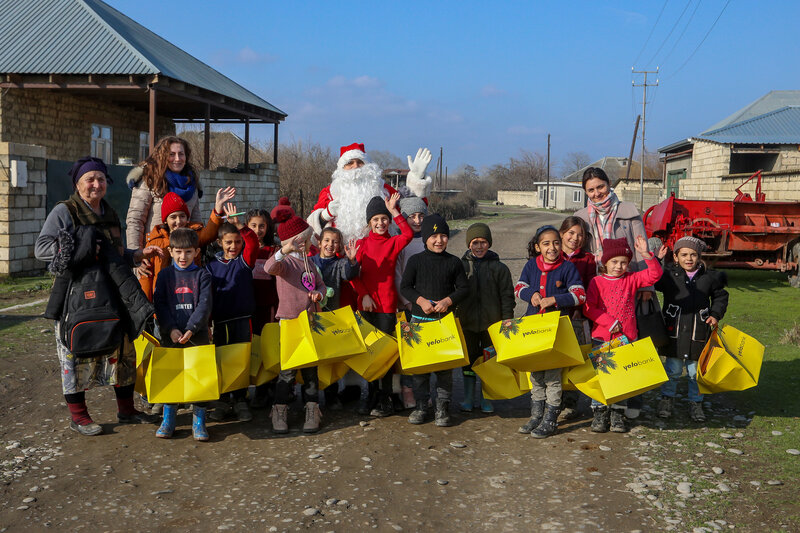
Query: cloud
<point x="362" y="96"/>
<point x="491" y="90"/>
<point x="243" y="56"/>
<point x="524" y="131"/>
<point x="628" y="17"/>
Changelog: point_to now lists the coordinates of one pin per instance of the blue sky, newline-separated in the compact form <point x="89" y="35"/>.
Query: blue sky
<point x="487" y="79"/>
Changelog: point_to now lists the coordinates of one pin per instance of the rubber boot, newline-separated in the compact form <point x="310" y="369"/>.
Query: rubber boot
<point x="168" y="422"/>
<point x="549" y="423"/>
<point x="486" y="405"/>
<point x="469" y="393"/>
<point x="537" y="412"/>
<point x="442" y="418"/>
<point x="199" y="431"/>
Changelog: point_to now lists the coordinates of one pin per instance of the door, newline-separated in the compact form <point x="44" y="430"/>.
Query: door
<point x="673" y="181"/>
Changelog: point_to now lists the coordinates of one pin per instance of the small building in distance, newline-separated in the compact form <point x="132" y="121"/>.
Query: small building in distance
<point x="561" y="196"/>
<point x="627" y="188"/>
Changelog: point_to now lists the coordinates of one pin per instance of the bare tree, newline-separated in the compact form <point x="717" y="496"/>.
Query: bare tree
<point x="386" y="159"/>
<point x="574" y="161"/>
<point x="305" y="169"/>
<point x="226" y="149"/>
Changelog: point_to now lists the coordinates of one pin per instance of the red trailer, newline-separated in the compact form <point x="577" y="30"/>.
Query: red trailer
<point x="743" y="233"/>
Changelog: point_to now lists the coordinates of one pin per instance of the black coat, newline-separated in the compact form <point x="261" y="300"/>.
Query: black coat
<point x="491" y="292"/>
<point x="687" y="304"/>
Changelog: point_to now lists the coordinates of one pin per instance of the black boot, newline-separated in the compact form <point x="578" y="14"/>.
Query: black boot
<point x="549" y="423"/>
<point x="537" y="411"/>
<point x="602" y="419"/>
<point x="617" y="421"/>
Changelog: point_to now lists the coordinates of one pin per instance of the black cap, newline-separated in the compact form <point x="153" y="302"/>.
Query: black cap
<point x="433" y="224"/>
<point x="377" y="206"/>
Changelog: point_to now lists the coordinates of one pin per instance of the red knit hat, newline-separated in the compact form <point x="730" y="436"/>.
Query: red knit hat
<point x="615" y="248"/>
<point x="289" y="224"/>
<point x="171" y="203"/>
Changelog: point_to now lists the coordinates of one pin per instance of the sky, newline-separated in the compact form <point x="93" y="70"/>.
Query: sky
<point x="484" y="80"/>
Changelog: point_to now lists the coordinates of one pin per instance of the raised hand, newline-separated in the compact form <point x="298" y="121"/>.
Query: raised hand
<point x="662" y="252"/>
<point x="641" y="246"/>
<point x="420" y="162"/>
<point x="391" y="204"/>
<point x="224" y="195"/>
<point x="230" y="210"/>
<point x="351" y="250"/>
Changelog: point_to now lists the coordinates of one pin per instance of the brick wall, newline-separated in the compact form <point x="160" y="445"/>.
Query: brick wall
<point x="61" y="123"/>
<point x="629" y="191"/>
<point x="258" y="190"/>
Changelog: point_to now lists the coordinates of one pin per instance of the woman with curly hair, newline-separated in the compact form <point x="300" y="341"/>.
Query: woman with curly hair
<point x="167" y="169"/>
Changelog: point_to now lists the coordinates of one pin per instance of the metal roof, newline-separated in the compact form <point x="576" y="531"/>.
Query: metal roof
<point x="781" y="126"/>
<point x="91" y="37"/>
<point x="769" y="102"/>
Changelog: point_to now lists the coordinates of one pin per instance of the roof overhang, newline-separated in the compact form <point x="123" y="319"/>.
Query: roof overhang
<point x="678" y="146"/>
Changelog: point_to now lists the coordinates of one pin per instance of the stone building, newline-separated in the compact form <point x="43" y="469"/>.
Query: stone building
<point x="77" y="78"/>
<point x="764" y="135"/>
<point x="561" y="196"/>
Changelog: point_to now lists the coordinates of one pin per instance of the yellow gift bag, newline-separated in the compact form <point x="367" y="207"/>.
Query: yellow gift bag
<point x="258" y="374"/>
<point x="325" y="337"/>
<point x="233" y="363"/>
<point x="566" y="384"/>
<point x="431" y="346"/>
<point x="328" y="374"/>
<point x="182" y="375"/>
<point x="381" y="352"/>
<point x="613" y="374"/>
<point x="536" y="342"/>
<point x="730" y="361"/>
<point x="144" y="345"/>
<point x="271" y="348"/>
<point x="500" y="382"/>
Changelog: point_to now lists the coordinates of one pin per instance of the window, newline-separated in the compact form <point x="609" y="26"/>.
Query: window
<point x="144" y="145"/>
<point x="552" y="194"/>
<point x="747" y="163"/>
<point x="101" y="142"/>
<point x="541" y="196"/>
<point x="577" y="197"/>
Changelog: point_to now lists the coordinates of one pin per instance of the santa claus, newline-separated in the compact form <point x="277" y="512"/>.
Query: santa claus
<point x="355" y="181"/>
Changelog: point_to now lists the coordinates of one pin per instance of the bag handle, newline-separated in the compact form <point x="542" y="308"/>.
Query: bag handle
<point x="733" y="354"/>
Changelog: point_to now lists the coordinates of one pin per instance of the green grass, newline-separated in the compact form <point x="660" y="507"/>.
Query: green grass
<point x="13" y="287"/>
<point x="486" y="214"/>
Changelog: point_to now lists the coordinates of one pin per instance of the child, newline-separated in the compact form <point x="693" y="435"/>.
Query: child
<point x="377" y="294"/>
<point x="547" y="283"/>
<point x="434" y="281"/>
<point x="183" y="306"/>
<point x="175" y="214"/>
<point x="695" y="300"/>
<point x="233" y="300"/>
<point x="611" y="306"/>
<point x="490" y="299"/>
<point x="335" y="269"/>
<point x="296" y="275"/>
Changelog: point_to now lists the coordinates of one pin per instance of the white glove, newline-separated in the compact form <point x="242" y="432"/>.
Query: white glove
<point x="332" y="210"/>
<point x="417" y="167"/>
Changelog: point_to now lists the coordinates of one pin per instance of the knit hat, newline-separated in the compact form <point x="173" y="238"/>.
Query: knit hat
<point x="615" y="248"/>
<point x="433" y="224"/>
<point x="690" y="242"/>
<point x="411" y="205"/>
<point x="350" y="152"/>
<point x="171" y="203"/>
<point x="377" y="206"/>
<point x="283" y="205"/>
<point x="479" y="230"/>
<point x="87" y="164"/>
<point x="290" y="225"/>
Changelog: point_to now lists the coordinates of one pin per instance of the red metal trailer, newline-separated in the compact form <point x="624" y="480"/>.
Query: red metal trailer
<point x="743" y="233"/>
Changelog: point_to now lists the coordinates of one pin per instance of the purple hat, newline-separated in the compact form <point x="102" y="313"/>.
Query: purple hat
<point x="87" y="164"/>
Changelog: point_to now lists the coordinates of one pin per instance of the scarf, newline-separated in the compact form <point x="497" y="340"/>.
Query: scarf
<point x="548" y="267"/>
<point x="601" y="218"/>
<point x="181" y="185"/>
<point x="107" y="222"/>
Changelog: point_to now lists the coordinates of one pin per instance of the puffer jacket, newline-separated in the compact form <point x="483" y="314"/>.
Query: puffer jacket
<point x="491" y="292"/>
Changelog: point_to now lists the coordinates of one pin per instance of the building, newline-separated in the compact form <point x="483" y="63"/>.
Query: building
<point x="562" y="196"/>
<point x="78" y="77"/>
<point x="626" y="181"/>
<point x="764" y="135"/>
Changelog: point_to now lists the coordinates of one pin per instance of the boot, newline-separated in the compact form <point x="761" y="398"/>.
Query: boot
<point x="443" y="413"/>
<point x="242" y="411"/>
<point x="602" y="419"/>
<point x="419" y="415"/>
<point x="618" y="421"/>
<point x="537" y="412"/>
<point x="696" y="412"/>
<point x="469" y="393"/>
<point x="367" y="403"/>
<point x="665" y="406"/>
<point x="279" y="415"/>
<point x="313" y="417"/>
<point x="549" y="423"/>
<point x="486" y="405"/>
<point x="221" y="410"/>
<point x="569" y="406"/>
<point x="168" y="423"/>
<point x="384" y="407"/>
<point x="199" y="431"/>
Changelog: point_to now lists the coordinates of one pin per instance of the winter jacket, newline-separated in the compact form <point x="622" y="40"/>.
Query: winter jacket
<point x="183" y="301"/>
<point x="558" y="280"/>
<point x="491" y="292"/>
<point x="628" y="225"/>
<point x="335" y="270"/>
<point x="687" y="305"/>
<point x="292" y="294"/>
<point x="434" y="276"/>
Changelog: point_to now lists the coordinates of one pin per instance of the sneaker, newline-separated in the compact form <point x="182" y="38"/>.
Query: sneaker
<point x="156" y="408"/>
<point x="408" y="398"/>
<point x="313" y="418"/>
<point x="665" y="406"/>
<point x="221" y="411"/>
<point x="242" y="411"/>
<point x="617" y="421"/>
<point x="89" y="430"/>
<point x="383" y="408"/>
<point x="418" y="416"/>
<point x="279" y="414"/>
<point x="602" y="419"/>
<point x="696" y="412"/>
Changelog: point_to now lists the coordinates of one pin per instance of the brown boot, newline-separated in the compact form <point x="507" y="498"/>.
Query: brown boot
<point x="313" y="417"/>
<point x="279" y="415"/>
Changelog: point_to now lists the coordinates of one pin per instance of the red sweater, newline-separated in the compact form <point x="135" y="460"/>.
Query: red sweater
<point x="611" y="300"/>
<point x="377" y="255"/>
<point x="585" y="263"/>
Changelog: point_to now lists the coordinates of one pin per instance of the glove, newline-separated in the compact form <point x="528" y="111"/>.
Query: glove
<point x="417" y="167"/>
<point x="332" y="210"/>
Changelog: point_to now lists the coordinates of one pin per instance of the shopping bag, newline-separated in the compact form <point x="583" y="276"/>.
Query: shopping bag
<point x="328" y="374"/>
<point x="499" y="382"/>
<point x="233" y="363"/>
<point x="258" y="374"/>
<point x="566" y="384"/>
<point x="731" y="360"/>
<point x="270" y="349"/>
<point x="431" y="346"/>
<point x="144" y="345"/>
<point x="536" y="342"/>
<point x="182" y="375"/>
<point x="380" y="355"/>
<point x="324" y="337"/>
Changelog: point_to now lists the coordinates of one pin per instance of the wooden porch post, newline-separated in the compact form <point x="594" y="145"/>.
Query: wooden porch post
<point x="275" y="146"/>
<point x="207" y="137"/>
<point x="247" y="144"/>
<point x="151" y="131"/>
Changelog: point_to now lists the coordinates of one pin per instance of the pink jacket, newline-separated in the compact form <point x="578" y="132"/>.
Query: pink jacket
<point x="611" y="300"/>
<point x="292" y="295"/>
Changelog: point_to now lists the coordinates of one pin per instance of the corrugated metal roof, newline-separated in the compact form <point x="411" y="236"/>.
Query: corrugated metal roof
<point x="769" y="102"/>
<point x="781" y="126"/>
<point x="90" y="37"/>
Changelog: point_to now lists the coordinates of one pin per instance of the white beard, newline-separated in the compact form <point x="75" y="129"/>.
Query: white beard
<point x="354" y="189"/>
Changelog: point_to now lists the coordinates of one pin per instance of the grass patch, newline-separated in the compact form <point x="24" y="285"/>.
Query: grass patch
<point x="19" y="290"/>
<point x="486" y="214"/>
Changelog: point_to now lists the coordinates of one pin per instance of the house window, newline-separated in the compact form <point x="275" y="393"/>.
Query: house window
<point x="577" y="197"/>
<point x="144" y="145"/>
<point x="541" y="196"/>
<point x="101" y="142"/>
<point x="552" y="194"/>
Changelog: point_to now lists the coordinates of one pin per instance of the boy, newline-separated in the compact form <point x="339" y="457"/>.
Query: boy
<point x="182" y="300"/>
<point x="234" y="300"/>
<point x="434" y="281"/>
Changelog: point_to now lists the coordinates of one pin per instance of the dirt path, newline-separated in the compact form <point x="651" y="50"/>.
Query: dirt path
<point x="357" y="474"/>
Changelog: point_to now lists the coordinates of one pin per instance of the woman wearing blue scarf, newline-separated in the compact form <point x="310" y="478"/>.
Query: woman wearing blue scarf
<point x="167" y="169"/>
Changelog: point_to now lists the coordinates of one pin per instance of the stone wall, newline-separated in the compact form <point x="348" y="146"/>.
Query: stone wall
<point x="257" y="190"/>
<point x="522" y="198"/>
<point x="629" y="191"/>
<point x="61" y="123"/>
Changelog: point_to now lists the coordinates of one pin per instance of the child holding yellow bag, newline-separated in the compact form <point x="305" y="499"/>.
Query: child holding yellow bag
<point x="548" y="283"/>
<point x="695" y="300"/>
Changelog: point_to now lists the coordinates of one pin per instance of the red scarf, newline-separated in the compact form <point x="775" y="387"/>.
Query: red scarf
<point x="548" y="267"/>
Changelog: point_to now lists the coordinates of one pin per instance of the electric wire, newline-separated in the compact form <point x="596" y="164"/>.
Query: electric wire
<point x="701" y="42"/>
<point x="678" y="40"/>
<point x="670" y="33"/>
<point x="651" y="32"/>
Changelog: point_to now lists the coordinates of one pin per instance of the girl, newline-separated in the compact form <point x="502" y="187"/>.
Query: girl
<point x="547" y="283"/>
<point x="611" y="306"/>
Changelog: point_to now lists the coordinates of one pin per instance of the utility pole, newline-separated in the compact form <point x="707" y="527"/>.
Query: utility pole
<point x="547" y="189"/>
<point x="644" y="86"/>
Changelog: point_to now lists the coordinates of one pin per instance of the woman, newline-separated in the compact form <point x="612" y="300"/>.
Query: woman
<point x="82" y="241"/>
<point x="167" y="169"/>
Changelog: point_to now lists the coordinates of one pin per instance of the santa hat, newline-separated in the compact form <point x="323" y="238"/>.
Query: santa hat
<point x="615" y="248"/>
<point x="171" y="203"/>
<point x="350" y="152"/>
<point x="290" y="225"/>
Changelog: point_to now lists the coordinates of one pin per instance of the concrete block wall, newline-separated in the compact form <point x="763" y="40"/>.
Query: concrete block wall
<point x="522" y="198"/>
<point x="256" y="190"/>
<point x="629" y="191"/>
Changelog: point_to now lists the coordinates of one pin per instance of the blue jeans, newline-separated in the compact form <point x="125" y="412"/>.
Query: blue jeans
<point x="674" y="368"/>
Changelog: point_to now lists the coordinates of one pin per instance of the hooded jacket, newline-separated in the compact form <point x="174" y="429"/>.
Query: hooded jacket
<point x="491" y="292"/>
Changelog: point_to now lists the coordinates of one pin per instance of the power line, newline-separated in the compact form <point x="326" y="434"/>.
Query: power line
<point x="701" y="42"/>
<point x="651" y="32"/>
<point x="644" y="85"/>
<point x="670" y="33"/>
<point x="682" y="33"/>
